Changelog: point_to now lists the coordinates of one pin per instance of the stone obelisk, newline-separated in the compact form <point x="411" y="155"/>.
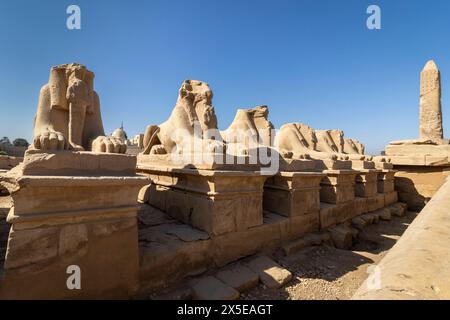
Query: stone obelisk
<point x="430" y="104"/>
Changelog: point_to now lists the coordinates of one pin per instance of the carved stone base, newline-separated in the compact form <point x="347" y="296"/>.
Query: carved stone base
<point x="72" y="220"/>
<point x="293" y="193"/>
<point x="333" y="214"/>
<point x="329" y="164"/>
<point x="215" y="201"/>
<point x="386" y="181"/>
<point x="338" y="186"/>
<point x="366" y="183"/>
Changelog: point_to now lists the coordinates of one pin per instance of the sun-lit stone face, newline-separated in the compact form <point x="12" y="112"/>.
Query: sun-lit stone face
<point x="430" y="103"/>
<point x="68" y="115"/>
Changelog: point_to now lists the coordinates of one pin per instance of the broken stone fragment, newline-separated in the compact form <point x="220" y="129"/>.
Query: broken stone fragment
<point x="271" y="273"/>
<point x="385" y="214"/>
<point x="342" y="236"/>
<point x="359" y="223"/>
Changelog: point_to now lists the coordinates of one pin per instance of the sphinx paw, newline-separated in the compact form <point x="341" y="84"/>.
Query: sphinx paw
<point x="50" y="140"/>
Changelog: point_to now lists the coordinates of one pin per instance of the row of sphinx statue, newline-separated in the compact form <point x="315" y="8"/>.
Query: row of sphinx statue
<point x="69" y="118"/>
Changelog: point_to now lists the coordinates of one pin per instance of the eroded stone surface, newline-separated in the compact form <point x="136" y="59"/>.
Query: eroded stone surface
<point x="239" y="277"/>
<point x="211" y="288"/>
<point x="270" y="272"/>
<point x="68" y="114"/>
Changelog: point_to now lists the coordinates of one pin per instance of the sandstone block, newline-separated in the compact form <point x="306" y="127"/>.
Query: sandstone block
<point x="342" y="236"/>
<point x="390" y="198"/>
<point x="271" y="273"/>
<point x="385" y="214"/>
<point x="211" y="288"/>
<point x="73" y="240"/>
<point x="239" y="277"/>
<point x="359" y="223"/>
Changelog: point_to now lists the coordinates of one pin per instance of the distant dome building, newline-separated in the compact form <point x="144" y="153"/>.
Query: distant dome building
<point x="120" y="134"/>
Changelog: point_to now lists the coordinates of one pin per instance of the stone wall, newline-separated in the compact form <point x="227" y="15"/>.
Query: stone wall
<point x="418" y="266"/>
<point x="417" y="184"/>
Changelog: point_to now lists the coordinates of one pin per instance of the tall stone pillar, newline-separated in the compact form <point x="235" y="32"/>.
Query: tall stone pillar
<point x="430" y="103"/>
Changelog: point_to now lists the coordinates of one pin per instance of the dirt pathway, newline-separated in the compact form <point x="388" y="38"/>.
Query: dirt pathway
<point x="328" y="273"/>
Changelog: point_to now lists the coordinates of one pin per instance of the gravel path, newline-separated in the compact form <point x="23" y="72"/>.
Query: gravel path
<point x="328" y="273"/>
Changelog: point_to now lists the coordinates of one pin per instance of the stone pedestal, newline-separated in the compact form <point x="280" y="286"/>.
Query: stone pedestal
<point x="329" y="164"/>
<point x="366" y="183"/>
<point x="362" y="165"/>
<point x="216" y="201"/>
<point x="338" y="186"/>
<point x="72" y="211"/>
<point x="420" y="170"/>
<point x="386" y="181"/>
<point x="293" y="194"/>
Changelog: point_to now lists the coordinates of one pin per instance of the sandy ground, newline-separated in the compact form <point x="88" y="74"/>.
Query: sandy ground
<point x="328" y="273"/>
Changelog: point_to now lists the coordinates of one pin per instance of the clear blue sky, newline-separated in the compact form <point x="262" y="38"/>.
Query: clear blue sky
<point x="310" y="61"/>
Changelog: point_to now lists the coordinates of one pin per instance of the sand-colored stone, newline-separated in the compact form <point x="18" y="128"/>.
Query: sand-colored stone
<point x="417" y="184"/>
<point x="191" y="126"/>
<point x="430" y="103"/>
<point x="250" y="128"/>
<point x="293" y="193"/>
<point x="271" y="273"/>
<point x="211" y="288"/>
<point x="342" y="236"/>
<point x="72" y="216"/>
<point x="216" y="201"/>
<point x="366" y="183"/>
<point x="68" y="114"/>
<point x="386" y="181"/>
<point x="417" y="266"/>
<point x="333" y="214"/>
<point x="7" y="162"/>
<point x="338" y="186"/>
<point x="239" y="277"/>
<point x="353" y="146"/>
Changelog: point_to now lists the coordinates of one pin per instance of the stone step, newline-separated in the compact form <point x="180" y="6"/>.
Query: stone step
<point x="211" y="288"/>
<point x="239" y="277"/>
<point x="271" y="274"/>
<point x="310" y="239"/>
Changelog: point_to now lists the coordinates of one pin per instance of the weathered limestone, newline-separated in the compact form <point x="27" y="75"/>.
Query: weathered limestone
<point x="338" y="186"/>
<point x="203" y="187"/>
<point x="250" y="128"/>
<point x="72" y="217"/>
<point x="271" y="273"/>
<point x="239" y="277"/>
<point x="293" y="193"/>
<point x="74" y="212"/>
<point x="68" y="114"/>
<point x="333" y="214"/>
<point x="430" y="103"/>
<point x="366" y="183"/>
<point x="342" y="236"/>
<point x="422" y="163"/>
<point x="386" y="181"/>
<point x="417" y="266"/>
<point x="191" y="127"/>
<point x="216" y="201"/>
<point x="211" y="288"/>
<point x="353" y="146"/>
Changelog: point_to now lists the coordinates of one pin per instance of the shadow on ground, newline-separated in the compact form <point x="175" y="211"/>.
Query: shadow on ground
<point x="326" y="272"/>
